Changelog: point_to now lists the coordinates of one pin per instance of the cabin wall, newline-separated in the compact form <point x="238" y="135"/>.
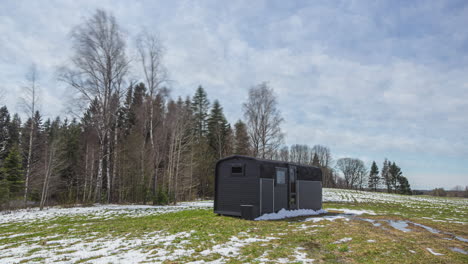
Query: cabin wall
<point x="259" y="186"/>
<point x="233" y="190"/>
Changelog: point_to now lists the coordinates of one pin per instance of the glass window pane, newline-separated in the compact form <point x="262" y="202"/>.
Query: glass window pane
<point x="280" y="177"/>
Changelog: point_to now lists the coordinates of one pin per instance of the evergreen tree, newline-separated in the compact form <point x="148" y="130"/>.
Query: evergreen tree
<point x="12" y="171"/>
<point x="200" y="106"/>
<point x="315" y="160"/>
<point x="394" y="175"/>
<point x="404" y="186"/>
<point x="4" y="132"/>
<point x="217" y="130"/>
<point x="14" y="129"/>
<point x="374" y="177"/>
<point x="386" y="175"/>
<point x="241" y="139"/>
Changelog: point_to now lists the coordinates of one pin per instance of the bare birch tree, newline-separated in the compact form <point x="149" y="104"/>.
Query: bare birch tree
<point x="51" y="165"/>
<point x="151" y="53"/>
<point x="263" y="121"/>
<point x="29" y="101"/>
<point x="99" y="67"/>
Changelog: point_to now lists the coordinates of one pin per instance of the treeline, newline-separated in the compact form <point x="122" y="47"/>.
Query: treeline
<point x="130" y="141"/>
<point x="348" y="173"/>
<point x="168" y="159"/>
<point x="457" y="191"/>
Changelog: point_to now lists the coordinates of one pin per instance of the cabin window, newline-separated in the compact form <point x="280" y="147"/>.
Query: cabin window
<point x="237" y="169"/>
<point x="280" y="176"/>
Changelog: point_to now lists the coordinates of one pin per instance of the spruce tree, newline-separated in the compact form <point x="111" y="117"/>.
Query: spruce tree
<point x="394" y="175"/>
<point x="404" y="186"/>
<point x="386" y="175"/>
<point x="241" y="139"/>
<point x="374" y="177"/>
<point x="14" y="129"/>
<point x="12" y="171"/>
<point x="4" y="132"/>
<point x="200" y="106"/>
<point x="217" y="130"/>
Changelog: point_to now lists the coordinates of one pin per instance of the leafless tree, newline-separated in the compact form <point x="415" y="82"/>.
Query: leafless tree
<point x="99" y="67"/>
<point x="263" y="121"/>
<point x="29" y="101"/>
<point x="284" y="154"/>
<point x="323" y="154"/>
<point x="151" y="51"/>
<point x="52" y="163"/>
<point x="299" y="154"/>
<point x="353" y="171"/>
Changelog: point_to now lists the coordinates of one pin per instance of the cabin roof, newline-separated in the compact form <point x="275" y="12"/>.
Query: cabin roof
<point x="266" y="161"/>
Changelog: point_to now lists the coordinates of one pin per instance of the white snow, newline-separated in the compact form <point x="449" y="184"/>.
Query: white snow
<point x="415" y="202"/>
<point x="434" y="253"/>
<point x="108" y="249"/>
<point x="343" y="240"/>
<point x="326" y="217"/>
<point x="283" y="213"/>
<point x="97" y="211"/>
<point x="233" y="246"/>
<point x="371" y="241"/>
<point x="352" y="211"/>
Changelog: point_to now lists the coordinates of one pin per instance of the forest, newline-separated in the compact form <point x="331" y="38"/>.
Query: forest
<point x="128" y="140"/>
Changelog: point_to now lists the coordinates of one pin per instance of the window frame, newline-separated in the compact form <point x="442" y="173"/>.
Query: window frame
<point x="237" y="165"/>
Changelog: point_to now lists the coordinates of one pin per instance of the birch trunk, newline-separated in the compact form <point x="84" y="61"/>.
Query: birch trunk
<point x="97" y="193"/>
<point x="114" y="168"/>
<point x="108" y="161"/>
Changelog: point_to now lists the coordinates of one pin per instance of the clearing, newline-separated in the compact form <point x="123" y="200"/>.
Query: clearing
<point x="360" y="227"/>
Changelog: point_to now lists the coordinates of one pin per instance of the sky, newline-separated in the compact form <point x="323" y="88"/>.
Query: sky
<point x="369" y="79"/>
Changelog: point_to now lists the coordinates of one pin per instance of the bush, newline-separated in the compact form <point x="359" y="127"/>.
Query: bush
<point x="162" y="197"/>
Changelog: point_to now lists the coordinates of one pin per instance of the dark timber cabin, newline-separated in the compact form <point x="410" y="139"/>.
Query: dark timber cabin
<point x="249" y="187"/>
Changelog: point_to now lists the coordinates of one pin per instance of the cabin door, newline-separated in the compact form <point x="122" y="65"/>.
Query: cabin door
<point x="281" y="189"/>
<point x="267" y="198"/>
<point x="292" y="185"/>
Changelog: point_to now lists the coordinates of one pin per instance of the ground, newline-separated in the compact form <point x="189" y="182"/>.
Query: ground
<point x="360" y="227"/>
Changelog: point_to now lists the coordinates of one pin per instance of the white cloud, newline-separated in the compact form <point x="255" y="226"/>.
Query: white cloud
<point x="352" y="76"/>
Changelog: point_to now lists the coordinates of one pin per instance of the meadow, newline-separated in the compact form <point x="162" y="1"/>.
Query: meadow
<point x="359" y="227"/>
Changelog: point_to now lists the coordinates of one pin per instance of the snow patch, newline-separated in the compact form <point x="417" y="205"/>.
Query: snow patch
<point x="352" y="211"/>
<point x="343" y="240"/>
<point x="283" y="213"/>
<point x="233" y="246"/>
<point x="434" y="253"/>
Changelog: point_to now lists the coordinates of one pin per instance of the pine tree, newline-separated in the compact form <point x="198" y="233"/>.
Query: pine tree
<point x="241" y="139"/>
<point x="374" y="177"/>
<point x="12" y="171"/>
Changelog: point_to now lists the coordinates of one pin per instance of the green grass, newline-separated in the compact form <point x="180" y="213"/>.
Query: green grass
<point x="207" y="230"/>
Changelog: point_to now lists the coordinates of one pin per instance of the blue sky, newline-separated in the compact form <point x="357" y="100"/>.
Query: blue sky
<point x="369" y="79"/>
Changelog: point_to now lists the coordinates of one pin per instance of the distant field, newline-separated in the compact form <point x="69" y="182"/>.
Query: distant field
<point x="360" y="227"/>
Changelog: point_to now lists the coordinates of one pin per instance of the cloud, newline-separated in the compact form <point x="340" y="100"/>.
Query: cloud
<point x="369" y="78"/>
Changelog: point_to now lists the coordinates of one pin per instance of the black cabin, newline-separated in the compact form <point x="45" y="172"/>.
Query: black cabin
<point x="250" y="187"/>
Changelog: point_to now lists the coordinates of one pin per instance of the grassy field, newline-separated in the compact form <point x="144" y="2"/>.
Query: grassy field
<point x="360" y="227"/>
